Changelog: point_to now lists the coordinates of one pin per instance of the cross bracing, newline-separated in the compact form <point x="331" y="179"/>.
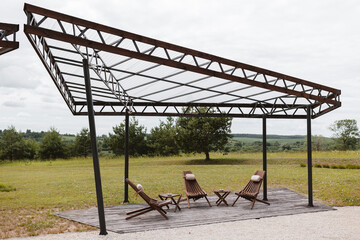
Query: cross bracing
<point x="8" y="37"/>
<point x="150" y="77"/>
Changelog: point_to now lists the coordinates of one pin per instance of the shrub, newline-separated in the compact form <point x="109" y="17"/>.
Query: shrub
<point x="352" y="166"/>
<point x="341" y="167"/>
<point x="325" y="166"/>
<point x="317" y="165"/>
<point x="333" y="166"/>
<point x="302" y="165"/>
<point x="6" y="188"/>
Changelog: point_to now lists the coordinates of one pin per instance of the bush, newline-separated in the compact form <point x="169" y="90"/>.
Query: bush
<point x="351" y="166"/>
<point x="317" y="165"/>
<point x="302" y="165"/>
<point x="6" y="188"/>
<point x="325" y="166"/>
<point x="341" y="167"/>
<point x="333" y="166"/>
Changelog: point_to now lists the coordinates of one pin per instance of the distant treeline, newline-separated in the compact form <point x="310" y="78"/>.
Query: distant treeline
<point x="270" y="136"/>
<point x="172" y="137"/>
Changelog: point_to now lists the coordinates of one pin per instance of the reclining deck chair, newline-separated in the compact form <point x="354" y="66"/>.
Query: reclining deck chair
<point x="192" y="188"/>
<point x="251" y="190"/>
<point x="153" y="203"/>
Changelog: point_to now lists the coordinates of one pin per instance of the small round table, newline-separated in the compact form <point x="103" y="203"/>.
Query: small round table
<point x="172" y="196"/>
<point x="222" y="194"/>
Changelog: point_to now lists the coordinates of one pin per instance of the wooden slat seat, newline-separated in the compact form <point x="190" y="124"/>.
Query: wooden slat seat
<point x="153" y="203"/>
<point x="251" y="190"/>
<point x="193" y="189"/>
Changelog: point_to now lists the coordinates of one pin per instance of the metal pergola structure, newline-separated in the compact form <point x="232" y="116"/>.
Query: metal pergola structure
<point x="8" y="37"/>
<point x="129" y="74"/>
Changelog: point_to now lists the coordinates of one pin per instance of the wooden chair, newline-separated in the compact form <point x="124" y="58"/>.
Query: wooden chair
<point x="153" y="203"/>
<point x="193" y="190"/>
<point x="251" y="190"/>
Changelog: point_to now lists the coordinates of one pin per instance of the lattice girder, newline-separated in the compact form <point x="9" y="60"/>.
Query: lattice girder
<point x="8" y="37"/>
<point x="215" y="81"/>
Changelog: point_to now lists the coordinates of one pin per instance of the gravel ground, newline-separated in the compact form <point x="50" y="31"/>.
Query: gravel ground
<point x="344" y="223"/>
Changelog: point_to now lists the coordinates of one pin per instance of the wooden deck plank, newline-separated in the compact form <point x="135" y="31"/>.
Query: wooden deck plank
<point x="283" y="202"/>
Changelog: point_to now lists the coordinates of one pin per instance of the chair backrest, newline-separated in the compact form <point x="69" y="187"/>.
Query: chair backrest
<point x="192" y="186"/>
<point x="254" y="187"/>
<point x="141" y="193"/>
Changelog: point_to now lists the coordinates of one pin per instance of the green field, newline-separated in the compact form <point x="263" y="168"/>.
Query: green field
<point x="269" y="140"/>
<point x="48" y="186"/>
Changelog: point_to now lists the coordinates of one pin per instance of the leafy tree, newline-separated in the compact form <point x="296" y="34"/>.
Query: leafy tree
<point x="82" y="144"/>
<point x="13" y="146"/>
<point x="203" y="134"/>
<point x="137" y="141"/>
<point x="51" y="145"/>
<point x="30" y="149"/>
<point x="318" y="143"/>
<point x="346" y="134"/>
<point x="162" y="140"/>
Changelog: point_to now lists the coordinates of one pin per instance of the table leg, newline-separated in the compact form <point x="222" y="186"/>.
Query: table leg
<point x="224" y="196"/>
<point x="176" y="203"/>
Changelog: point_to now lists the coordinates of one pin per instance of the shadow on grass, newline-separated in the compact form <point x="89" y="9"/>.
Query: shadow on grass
<point x="201" y="161"/>
<point x="229" y="161"/>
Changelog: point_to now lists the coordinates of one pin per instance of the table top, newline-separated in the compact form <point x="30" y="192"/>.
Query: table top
<point x="169" y="195"/>
<point x="221" y="190"/>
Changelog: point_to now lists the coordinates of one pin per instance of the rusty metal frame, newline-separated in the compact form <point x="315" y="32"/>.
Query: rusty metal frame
<point x="8" y="41"/>
<point x="227" y="87"/>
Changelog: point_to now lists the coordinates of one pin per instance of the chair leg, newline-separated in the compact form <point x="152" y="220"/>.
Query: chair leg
<point x="253" y="203"/>
<point x="139" y="210"/>
<point x="263" y="201"/>
<point x="160" y="210"/>
<point x="207" y="201"/>
<point x="140" y="213"/>
<point x="188" y="202"/>
<point x="235" y="201"/>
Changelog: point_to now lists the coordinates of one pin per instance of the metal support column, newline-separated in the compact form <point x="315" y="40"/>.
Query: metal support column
<point x="309" y="156"/>
<point x="264" y="160"/>
<point x="126" y="189"/>
<point x="94" y="149"/>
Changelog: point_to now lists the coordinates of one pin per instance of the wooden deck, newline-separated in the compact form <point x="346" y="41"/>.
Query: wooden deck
<point x="283" y="202"/>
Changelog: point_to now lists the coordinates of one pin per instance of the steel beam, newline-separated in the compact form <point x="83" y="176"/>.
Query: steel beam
<point x="309" y="158"/>
<point x="126" y="154"/>
<point x="94" y="149"/>
<point x="8" y="37"/>
<point x="264" y="158"/>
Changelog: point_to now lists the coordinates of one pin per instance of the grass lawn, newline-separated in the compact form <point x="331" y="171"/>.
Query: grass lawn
<point x="45" y="187"/>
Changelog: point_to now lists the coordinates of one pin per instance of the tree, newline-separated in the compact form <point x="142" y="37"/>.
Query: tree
<point x="318" y="143"/>
<point x="203" y="134"/>
<point x="82" y="144"/>
<point x="162" y="140"/>
<point x="346" y="134"/>
<point x="51" y="145"/>
<point x="13" y="146"/>
<point x="137" y="141"/>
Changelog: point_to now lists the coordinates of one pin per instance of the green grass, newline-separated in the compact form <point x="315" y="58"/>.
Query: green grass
<point x="69" y="184"/>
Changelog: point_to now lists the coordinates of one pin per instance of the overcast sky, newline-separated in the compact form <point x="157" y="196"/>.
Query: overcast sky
<point x="314" y="40"/>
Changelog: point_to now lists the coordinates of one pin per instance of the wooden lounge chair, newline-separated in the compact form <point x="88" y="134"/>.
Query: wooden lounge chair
<point x="153" y="203"/>
<point x="193" y="190"/>
<point x="251" y="190"/>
